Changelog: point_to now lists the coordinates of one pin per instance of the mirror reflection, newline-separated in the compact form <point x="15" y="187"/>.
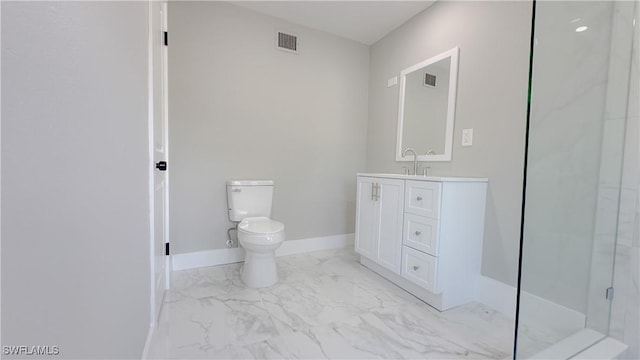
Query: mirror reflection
<point x="426" y="108"/>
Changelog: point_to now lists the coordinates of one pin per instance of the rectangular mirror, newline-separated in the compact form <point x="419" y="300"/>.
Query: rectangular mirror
<point x="426" y="108"/>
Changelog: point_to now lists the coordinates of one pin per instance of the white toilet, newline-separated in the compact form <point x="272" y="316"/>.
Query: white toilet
<point x="250" y="204"/>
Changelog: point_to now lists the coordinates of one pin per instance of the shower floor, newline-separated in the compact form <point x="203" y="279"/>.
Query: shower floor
<point x="326" y="305"/>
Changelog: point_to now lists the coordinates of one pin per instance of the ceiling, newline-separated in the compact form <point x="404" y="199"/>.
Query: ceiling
<point x="363" y="21"/>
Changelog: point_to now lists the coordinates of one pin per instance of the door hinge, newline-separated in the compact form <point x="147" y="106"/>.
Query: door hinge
<point x="609" y="293"/>
<point x="166" y="249"/>
<point x="166" y="38"/>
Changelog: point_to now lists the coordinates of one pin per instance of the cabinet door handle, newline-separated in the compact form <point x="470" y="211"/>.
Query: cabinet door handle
<point x="418" y="233"/>
<point x="419" y="198"/>
<point x="375" y="191"/>
<point x="416" y="267"/>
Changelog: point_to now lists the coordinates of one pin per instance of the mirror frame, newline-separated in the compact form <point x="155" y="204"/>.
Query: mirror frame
<point x="451" y="105"/>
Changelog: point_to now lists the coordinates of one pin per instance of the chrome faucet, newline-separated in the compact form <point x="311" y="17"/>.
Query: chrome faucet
<point x="425" y="168"/>
<point x="415" y="159"/>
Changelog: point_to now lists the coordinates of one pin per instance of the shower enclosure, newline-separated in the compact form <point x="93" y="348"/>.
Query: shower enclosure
<point x="578" y="281"/>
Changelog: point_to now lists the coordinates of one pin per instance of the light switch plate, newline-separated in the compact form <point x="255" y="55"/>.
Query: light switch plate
<point x="467" y="137"/>
<point x="392" y="82"/>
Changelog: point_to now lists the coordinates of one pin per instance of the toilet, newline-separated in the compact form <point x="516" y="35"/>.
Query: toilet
<point x="250" y="205"/>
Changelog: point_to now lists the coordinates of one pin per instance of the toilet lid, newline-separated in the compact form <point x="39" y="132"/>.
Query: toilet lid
<point x="260" y="225"/>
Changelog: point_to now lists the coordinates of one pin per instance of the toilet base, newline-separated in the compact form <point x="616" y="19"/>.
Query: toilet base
<point x="259" y="269"/>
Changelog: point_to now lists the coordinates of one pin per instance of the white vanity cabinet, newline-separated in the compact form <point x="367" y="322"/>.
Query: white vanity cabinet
<point x="432" y="242"/>
<point x="379" y="221"/>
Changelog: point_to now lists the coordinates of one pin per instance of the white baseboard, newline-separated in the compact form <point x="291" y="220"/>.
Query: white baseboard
<point x="570" y="346"/>
<point x="608" y="348"/>
<point x="315" y="244"/>
<point x="584" y="345"/>
<point x="147" y="343"/>
<point x="540" y="313"/>
<point x="536" y="311"/>
<point x="497" y="295"/>
<point x="204" y="258"/>
<point x="233" y="255"/>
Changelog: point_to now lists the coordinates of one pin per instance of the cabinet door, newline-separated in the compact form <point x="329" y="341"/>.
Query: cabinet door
<point x="389" y="220"/>
<point x="366" y="204"/>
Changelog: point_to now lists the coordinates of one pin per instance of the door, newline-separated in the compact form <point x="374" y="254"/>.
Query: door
<point x="379" y="221"/>
<point x="390" y="195"/>
<point x="365" y="215"/>
<point x="158" y="111"/>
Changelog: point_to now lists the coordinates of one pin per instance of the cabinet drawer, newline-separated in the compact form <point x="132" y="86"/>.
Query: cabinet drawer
<point x="420" y="268"/>
<point x="421" y="233"/>
<point x="423" y="198"/>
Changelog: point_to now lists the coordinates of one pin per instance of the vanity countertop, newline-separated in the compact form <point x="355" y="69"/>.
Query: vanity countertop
<point x="425" y="178"/>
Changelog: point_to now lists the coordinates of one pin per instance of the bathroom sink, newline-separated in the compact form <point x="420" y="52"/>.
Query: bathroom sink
<point x="425" y="178"/>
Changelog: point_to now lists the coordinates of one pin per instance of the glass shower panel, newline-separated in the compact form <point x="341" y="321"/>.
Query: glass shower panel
<point x="579" y="94"/>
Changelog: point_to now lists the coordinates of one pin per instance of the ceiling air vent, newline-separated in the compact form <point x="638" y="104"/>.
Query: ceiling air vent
<point x="287" y="42"/>
<point x="429" y="80"/>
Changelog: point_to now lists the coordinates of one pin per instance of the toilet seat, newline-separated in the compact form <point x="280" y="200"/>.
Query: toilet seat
<point x="260" y="226"/>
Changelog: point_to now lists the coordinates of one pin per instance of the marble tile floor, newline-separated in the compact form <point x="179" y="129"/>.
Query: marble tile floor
<point x="325" y="306"/>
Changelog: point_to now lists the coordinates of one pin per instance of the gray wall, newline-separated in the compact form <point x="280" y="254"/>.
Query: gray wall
<point x="242" y="109"/>
<point x="75" y="223"/>
<point x="492" y="96"/>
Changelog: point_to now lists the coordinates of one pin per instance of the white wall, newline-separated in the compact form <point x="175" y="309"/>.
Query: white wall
<point x="242" y="109"/>
<point x="491" y="98"/>
<point x="75" y="224"/>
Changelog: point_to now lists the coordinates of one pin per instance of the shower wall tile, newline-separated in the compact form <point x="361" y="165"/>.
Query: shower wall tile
<point x="634" y="88"/>
<point x="621" y="282"/>
<point x="631" y="180"/>
<point x="617" y="97"/>
<point x="612" y="151"/>
<point x="625" y="308"/>
<point x="611" y="157"/>
<point x="627" y="215"/>
<point x="625" y="313"/>
<point x="632" y="328"/>
<point x="635" y="241"/>
<point x="618" y="80"/>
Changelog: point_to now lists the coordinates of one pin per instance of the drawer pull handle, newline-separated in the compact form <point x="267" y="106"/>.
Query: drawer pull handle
<point x="419" y="198"/>
<point x="416" y="267"/>
<point x="417" y="233"/>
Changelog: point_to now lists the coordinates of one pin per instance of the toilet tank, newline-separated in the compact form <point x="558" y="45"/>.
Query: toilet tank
<point x="249" y="198"/>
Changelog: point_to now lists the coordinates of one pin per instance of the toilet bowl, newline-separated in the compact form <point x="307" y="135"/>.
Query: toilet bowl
<point x="260" y="237"/>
